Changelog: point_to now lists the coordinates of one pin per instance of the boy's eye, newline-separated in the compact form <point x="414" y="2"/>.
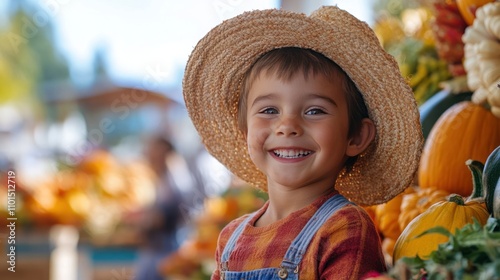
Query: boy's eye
<point x="315" y="111"/>
<point x="269" y="111"/>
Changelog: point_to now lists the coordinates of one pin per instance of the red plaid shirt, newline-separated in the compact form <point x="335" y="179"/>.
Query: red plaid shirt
<point x="347" y="246"/>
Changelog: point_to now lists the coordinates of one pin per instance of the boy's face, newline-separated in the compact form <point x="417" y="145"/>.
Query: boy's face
<point x="298" y="130"/>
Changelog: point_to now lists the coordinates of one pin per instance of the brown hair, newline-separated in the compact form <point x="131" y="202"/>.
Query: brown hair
<point x="285" y="62"/>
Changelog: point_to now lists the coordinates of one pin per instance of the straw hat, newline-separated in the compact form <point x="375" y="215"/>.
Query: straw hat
<point x="218" y="63"/>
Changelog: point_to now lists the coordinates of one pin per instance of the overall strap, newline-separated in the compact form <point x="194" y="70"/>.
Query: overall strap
<point x="299" y="245"/>
<point x="234" y="237"/>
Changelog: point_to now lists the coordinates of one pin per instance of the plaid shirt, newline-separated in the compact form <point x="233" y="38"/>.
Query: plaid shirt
<point x="347" y="246"/>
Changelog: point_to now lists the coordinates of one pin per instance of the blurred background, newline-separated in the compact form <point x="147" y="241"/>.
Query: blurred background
<point x="111" y="181"/>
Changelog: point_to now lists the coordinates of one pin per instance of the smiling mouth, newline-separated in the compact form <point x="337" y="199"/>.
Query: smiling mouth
<point x="281" y="153"/>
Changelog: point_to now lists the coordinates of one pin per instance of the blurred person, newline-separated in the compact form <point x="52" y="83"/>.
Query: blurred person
<point x="162" y="221"/>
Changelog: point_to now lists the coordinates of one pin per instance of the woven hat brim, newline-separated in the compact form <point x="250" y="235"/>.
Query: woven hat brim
<point x="215" y="69"/>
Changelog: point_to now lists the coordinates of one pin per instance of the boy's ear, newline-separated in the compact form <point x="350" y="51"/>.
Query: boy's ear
<point x="359" y="142"/>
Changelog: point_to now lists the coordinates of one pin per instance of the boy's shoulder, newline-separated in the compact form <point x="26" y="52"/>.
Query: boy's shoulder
<point x="350" y="216"/>
<point x="232" y="225"/>
<point x="236" y="222"/>
<point x="229" y="228"/>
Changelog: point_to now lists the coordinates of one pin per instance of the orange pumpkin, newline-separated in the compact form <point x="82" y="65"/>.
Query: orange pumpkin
<point x="415" y="203"/>
<point x="468" y="8"/>
<point x="464" y="131"/>
<point x="387" y="216"/>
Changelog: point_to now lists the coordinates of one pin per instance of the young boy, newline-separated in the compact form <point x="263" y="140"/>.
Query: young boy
<point x="313" y="111"/>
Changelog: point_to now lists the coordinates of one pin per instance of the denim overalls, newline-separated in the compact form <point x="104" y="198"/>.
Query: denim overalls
<point x="289" y="268"/>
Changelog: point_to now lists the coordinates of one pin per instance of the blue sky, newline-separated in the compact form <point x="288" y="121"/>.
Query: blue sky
<point x="144" y="38"/>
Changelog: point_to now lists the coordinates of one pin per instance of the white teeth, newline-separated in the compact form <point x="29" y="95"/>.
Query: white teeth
<point x="291" y="153"/>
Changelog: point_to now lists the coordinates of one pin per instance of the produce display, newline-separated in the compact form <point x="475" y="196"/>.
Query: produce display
<point x="471" y="250"/>
<point x="95" y="196"/>
<point x="448" y="223"/>
<point x="482" y="56"/>
<point x="437" y="199"/>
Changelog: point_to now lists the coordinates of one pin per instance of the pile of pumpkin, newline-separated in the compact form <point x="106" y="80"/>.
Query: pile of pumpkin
<point x="457" y="237"/>
<point x="446" y="194"/>
<point x="453" y="189"/>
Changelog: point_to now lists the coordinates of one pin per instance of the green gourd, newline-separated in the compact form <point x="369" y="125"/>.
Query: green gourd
<point x="491" y="182"/>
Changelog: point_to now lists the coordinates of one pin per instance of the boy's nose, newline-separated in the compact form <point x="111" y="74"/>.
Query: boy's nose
<point x="289" y="126"/>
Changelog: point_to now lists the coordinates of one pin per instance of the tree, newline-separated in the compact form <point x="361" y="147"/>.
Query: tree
<point x="29" y="56"/>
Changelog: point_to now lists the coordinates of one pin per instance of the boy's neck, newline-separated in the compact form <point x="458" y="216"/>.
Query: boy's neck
<point x="284" y="203"/>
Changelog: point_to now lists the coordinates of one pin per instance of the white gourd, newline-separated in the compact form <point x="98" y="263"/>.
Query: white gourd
<point x="482" y="56"/>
